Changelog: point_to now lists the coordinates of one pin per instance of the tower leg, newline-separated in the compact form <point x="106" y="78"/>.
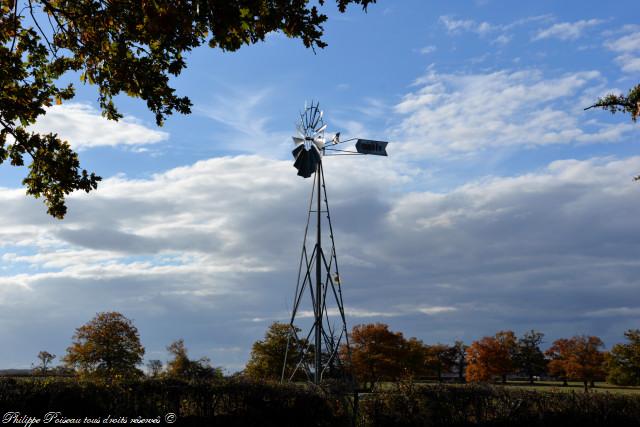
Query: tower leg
<point x="319" y="299"/>
<point x="317" y="351"/>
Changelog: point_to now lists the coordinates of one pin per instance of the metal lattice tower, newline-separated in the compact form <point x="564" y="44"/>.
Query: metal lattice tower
<point x="318" y="274"/>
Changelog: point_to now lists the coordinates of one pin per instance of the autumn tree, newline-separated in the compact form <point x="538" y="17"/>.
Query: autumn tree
<point x="623" y="361"/>
<point x="491" y="356"/>
<point x="529" y="358"/>
<point x="578" y="358"/>
<point x="376" y="353"/>
<point x="122" y="47"/>
<point x="45" y="358"/>
<point x="440" y="358"/>
<point x="558" y="355"/>
<point x="108" y="347"/>
<point x="267" y="356"/>
<point x="182" y="367"/>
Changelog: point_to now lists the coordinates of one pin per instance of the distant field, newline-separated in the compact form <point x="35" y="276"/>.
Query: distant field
<point x="573" y="386"/>
<point x="556" y="386"/>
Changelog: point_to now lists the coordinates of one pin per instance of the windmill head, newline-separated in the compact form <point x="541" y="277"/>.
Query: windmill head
<point x="309" y="144"/>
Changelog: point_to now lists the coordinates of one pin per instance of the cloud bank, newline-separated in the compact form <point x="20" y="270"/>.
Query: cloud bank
<point x="208" y="252"/>
<point x="462" y="113"/>
<point x="84" y="127"/>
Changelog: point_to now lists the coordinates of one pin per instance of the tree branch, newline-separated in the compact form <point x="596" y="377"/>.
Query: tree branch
<point x="52" y="49"/>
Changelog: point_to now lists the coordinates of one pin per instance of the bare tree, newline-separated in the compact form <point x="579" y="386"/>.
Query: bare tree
<point x="45" y="358"/>
<point x="155" y="368"/>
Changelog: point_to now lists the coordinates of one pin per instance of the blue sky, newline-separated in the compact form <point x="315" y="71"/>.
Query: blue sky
<point x="502" y="204"/>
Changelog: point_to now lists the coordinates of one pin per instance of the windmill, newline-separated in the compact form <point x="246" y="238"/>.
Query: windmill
<point x="316" y="350"/>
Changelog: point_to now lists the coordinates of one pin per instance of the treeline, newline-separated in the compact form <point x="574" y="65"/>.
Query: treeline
<point x="379" y="354"/>
<point x="108" y="348"/>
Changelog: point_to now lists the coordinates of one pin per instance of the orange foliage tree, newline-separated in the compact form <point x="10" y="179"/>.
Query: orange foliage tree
<point x="491" y="356"/>
<point x="578" y="358"/>
<point x="107" y="347"/>
<point x="558" y="355"/>
<point x="378" y="354"/>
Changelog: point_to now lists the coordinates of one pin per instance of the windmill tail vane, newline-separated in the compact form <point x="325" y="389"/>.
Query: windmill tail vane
<point x="318" y="348"/>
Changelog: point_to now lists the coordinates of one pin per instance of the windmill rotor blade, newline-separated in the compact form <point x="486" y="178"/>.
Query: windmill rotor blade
<point x="322" y="129"/>
<point x="312" y="113"/>
<point x="296" y="151"/>
<point x="318" y="119"/>
<point x="307" y="117"/>
<point x="297" y="140"/>
<point x="307" y="161"/>
<point x="317" y="116"/>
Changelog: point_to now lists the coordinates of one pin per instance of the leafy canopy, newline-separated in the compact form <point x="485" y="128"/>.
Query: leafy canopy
<point x="267" y="355"/>
<point x="379" y="354"/>
<point x="629" y="103"/>
<point x="529" y="358"/>
<point x="107" y="347"/>
<point x="491" y="356"/>
<point x="577" y="358"/>
<point x="181" y="367"/>
<point x="440" y="359"/>
<point x="623" y="361"/>
<point x="120" y="46"/>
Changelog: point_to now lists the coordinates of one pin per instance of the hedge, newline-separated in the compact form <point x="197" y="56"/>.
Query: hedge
<point x="477" y="405"/>
<point x="243" y="403"/>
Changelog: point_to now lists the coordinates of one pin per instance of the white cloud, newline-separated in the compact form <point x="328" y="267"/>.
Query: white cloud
<point x="616" y="312"/>
<point x="627" y="43"/>
<point x="502" y="40"/>
<point x="372" y="314"/>
<point x="461" y="113"/>
<point x="427" y="50"/>
<point x="567" y="30"/>
<point x="431" y="311"/>
<point x="352" y="312"/>
<point x="84" y="127"/>
<point x="629" y="63"/>
<point x="459" y="25"/>
<point x="628" y="47"/>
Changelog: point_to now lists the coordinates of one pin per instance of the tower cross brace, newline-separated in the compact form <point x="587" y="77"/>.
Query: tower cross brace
<point x="320" y="276"/>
